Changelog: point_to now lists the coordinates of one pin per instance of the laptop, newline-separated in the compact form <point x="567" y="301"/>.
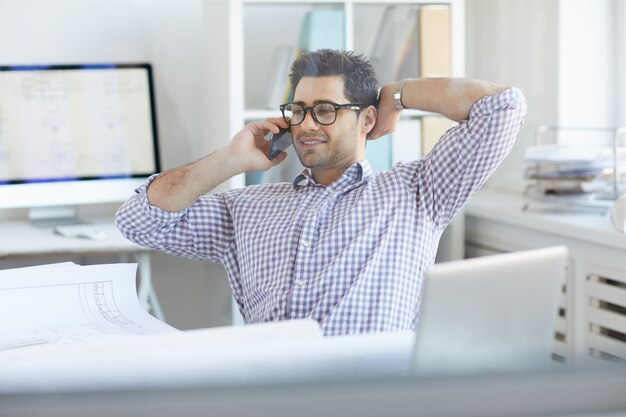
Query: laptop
<point x="490" y="314"/>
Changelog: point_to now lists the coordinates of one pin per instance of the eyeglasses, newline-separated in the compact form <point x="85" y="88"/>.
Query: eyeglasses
<point x="324" y="112"/>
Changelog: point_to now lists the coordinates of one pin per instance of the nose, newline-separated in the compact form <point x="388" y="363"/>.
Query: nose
<point x="309" y="122"/>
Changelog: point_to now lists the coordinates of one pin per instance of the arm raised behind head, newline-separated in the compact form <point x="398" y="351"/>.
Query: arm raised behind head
<point x="450" y="97"/>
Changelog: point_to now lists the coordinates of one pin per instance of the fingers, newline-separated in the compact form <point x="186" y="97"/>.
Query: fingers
<point x="381" y="129"/>
<point x="279" y="121"/>
<point x="388" y="115"/>
<point x="385" y="124"/>
<point x="378" y="131"/>
<point x="263" y="127"/>
<point x="280" y="158"/>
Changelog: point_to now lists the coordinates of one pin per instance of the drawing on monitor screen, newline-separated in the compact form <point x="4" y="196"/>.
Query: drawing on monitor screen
<point x="75" y="134"/>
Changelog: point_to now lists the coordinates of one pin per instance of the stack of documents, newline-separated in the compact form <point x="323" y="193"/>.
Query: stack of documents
<point x="66" y="327"/>
<point x="570" y="175"/>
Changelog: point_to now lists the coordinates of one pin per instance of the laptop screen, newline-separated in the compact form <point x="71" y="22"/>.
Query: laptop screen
<point x="491" y="313"/>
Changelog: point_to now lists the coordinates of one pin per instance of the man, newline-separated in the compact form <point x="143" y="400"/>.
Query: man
<point x="340" y="244"/>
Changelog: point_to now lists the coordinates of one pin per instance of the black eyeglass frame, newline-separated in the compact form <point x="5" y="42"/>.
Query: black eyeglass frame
<point x="347" y="106"/>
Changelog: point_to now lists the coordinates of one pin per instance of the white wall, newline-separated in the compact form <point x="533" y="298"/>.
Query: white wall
<point x="586" y="63"/>
<point x="559" y="52"/>
<point x="168" y="34"/>
<point x="516" y="43"/>
<point x="620" y="66"/>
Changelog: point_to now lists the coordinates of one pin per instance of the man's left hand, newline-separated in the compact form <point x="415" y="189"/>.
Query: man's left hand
<point x="388" y="115"/>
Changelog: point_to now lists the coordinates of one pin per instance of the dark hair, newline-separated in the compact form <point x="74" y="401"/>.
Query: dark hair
<point x="360" y="84"/>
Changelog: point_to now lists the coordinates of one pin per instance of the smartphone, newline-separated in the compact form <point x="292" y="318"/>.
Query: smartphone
<point x="278" y="142"/>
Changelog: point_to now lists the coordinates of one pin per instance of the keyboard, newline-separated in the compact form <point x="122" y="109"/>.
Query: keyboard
<point x="93" y="231"/>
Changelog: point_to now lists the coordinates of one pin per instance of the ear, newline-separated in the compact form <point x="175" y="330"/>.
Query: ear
<point x="369" y="119"/>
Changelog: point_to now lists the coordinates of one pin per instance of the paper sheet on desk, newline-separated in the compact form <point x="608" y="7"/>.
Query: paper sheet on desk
<point x="282" y="352"/>
<point x="68" y="304"/>
<point x="70" y="328"/>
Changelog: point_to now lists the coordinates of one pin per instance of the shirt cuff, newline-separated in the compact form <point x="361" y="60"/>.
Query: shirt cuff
<point x="155" y="212"/>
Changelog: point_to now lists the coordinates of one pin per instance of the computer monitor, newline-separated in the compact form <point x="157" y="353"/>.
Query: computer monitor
<point x="75" y="134"/>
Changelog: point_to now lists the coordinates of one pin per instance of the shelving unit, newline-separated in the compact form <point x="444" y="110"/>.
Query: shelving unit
<point x="239" y="50"/>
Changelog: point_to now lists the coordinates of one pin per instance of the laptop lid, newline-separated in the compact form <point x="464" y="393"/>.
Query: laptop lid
<point x="494" y="313"/>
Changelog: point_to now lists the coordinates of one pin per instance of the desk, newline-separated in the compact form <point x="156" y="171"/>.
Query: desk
<point x="576" y="392"/>
<point x="22" y="240"/>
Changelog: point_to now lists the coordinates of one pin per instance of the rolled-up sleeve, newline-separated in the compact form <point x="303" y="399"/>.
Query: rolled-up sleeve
<point x="204" y="230"/>
<point x="466" y="155"/>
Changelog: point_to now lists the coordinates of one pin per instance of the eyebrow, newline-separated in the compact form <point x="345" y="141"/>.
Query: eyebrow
<point x="303" y="104"/>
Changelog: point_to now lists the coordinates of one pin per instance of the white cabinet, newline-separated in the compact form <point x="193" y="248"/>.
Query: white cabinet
<point x="593" y="322"/>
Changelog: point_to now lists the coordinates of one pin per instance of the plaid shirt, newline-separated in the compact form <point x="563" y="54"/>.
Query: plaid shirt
<point x="350" y="255"/>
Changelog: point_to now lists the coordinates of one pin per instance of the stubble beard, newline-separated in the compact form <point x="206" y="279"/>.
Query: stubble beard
<point x="330" y="157"/>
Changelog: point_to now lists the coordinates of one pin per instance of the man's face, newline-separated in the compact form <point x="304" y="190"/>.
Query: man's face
<point x="336" y="146"/>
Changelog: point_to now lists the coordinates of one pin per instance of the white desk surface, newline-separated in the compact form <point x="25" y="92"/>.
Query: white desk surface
<point x="507" y="208"/>
<point x="21" y="239"/>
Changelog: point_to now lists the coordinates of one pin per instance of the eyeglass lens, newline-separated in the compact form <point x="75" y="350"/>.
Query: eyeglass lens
<point x="323" y="113"/>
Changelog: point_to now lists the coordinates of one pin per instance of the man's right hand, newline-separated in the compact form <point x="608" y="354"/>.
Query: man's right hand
<point x="180" y="187"/>
<point x="247" y="150"/>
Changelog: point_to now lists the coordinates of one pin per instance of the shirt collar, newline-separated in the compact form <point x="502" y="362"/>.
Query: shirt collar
<point x="355" y="173"/>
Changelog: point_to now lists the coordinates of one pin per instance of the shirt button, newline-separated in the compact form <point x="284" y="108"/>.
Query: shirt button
<point x="312" y="211"/>
<point x="300" y="282"/>
<point x="306" y="243"/>
<point x="330" y="190"/>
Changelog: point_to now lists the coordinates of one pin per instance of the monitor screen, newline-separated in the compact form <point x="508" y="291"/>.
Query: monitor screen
<point x="75" y="134"/>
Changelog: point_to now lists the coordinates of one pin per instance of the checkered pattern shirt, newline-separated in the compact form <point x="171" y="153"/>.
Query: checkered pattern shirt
<point x="350" y="255"/>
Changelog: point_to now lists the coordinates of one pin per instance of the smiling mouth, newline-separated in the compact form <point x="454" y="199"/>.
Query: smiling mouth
<point x="311" y="141"/>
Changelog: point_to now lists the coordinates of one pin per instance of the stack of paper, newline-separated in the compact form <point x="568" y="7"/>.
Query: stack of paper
<point x="570" y="174"/>
<point x="72" y="328"/>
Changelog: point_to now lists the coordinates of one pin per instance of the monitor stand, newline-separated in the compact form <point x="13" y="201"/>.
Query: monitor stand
<point x="52" y="216"/>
